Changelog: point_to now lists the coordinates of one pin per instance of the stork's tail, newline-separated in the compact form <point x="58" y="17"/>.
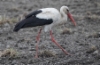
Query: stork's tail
<point x="19" y="25"/>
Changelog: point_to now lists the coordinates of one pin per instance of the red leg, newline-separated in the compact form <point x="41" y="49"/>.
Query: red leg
<point x="37" y="41"/>
<point x="53" y="40"/>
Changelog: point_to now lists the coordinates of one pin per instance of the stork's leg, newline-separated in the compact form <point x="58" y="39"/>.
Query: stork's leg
<point x="37" y="42"/>
<point x="53" y="40"/>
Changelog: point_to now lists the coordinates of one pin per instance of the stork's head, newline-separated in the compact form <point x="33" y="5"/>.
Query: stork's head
<point x="65" y="9"/>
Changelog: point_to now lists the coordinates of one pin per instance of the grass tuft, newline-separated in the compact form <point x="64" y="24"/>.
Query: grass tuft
<point x="11" y="53"/>
<point x="66" y="31"/>
<point x="47" y="53"/>
<point x="6" y="19"/>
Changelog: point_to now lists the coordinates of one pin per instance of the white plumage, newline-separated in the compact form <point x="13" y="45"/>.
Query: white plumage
<point x="52" y="13"/>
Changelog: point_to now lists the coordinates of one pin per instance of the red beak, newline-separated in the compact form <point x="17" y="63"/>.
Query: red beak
<point x="71" y="18"/>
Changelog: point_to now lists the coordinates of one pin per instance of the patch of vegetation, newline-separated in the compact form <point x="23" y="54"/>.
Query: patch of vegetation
<point x="47" y="53"/>
<point x="6" y="19"/>
<point x="11" y="53"/>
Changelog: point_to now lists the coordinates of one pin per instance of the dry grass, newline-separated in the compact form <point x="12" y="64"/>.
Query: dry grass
<point x="90" y="15"/>
<point x="14" y="8"/>
<point x="66" y="31"/>
<point x="97" y="3"/>
<point x="91" y="49"/>
<point x="94" y="35"/>
<point x="7" y="19"/>
<point x="93" y="16"/>
<point x="11" y="53"/>
<point x="47" y="53"/>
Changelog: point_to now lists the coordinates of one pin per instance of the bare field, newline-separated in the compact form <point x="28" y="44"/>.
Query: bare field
<point x="82" y="41"/>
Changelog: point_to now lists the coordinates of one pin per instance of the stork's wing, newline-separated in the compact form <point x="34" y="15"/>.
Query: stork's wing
<point x="32" y="22"/>
<point x="33" y="13"/>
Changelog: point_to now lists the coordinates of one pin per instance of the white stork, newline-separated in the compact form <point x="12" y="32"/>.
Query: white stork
<point x="48" y="18"/>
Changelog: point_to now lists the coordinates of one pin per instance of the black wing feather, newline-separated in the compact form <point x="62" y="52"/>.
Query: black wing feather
<point x="32" y="22"/>
<point x="33" y="13"/>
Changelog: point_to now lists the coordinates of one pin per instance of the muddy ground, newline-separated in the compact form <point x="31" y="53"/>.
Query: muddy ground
<point x="82" y="41"/>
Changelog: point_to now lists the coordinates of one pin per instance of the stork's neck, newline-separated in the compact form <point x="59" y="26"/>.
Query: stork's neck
<point x="63" y="15"/>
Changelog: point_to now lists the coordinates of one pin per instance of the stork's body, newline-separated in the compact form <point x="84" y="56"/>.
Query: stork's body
<point x="46" y="17"/>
